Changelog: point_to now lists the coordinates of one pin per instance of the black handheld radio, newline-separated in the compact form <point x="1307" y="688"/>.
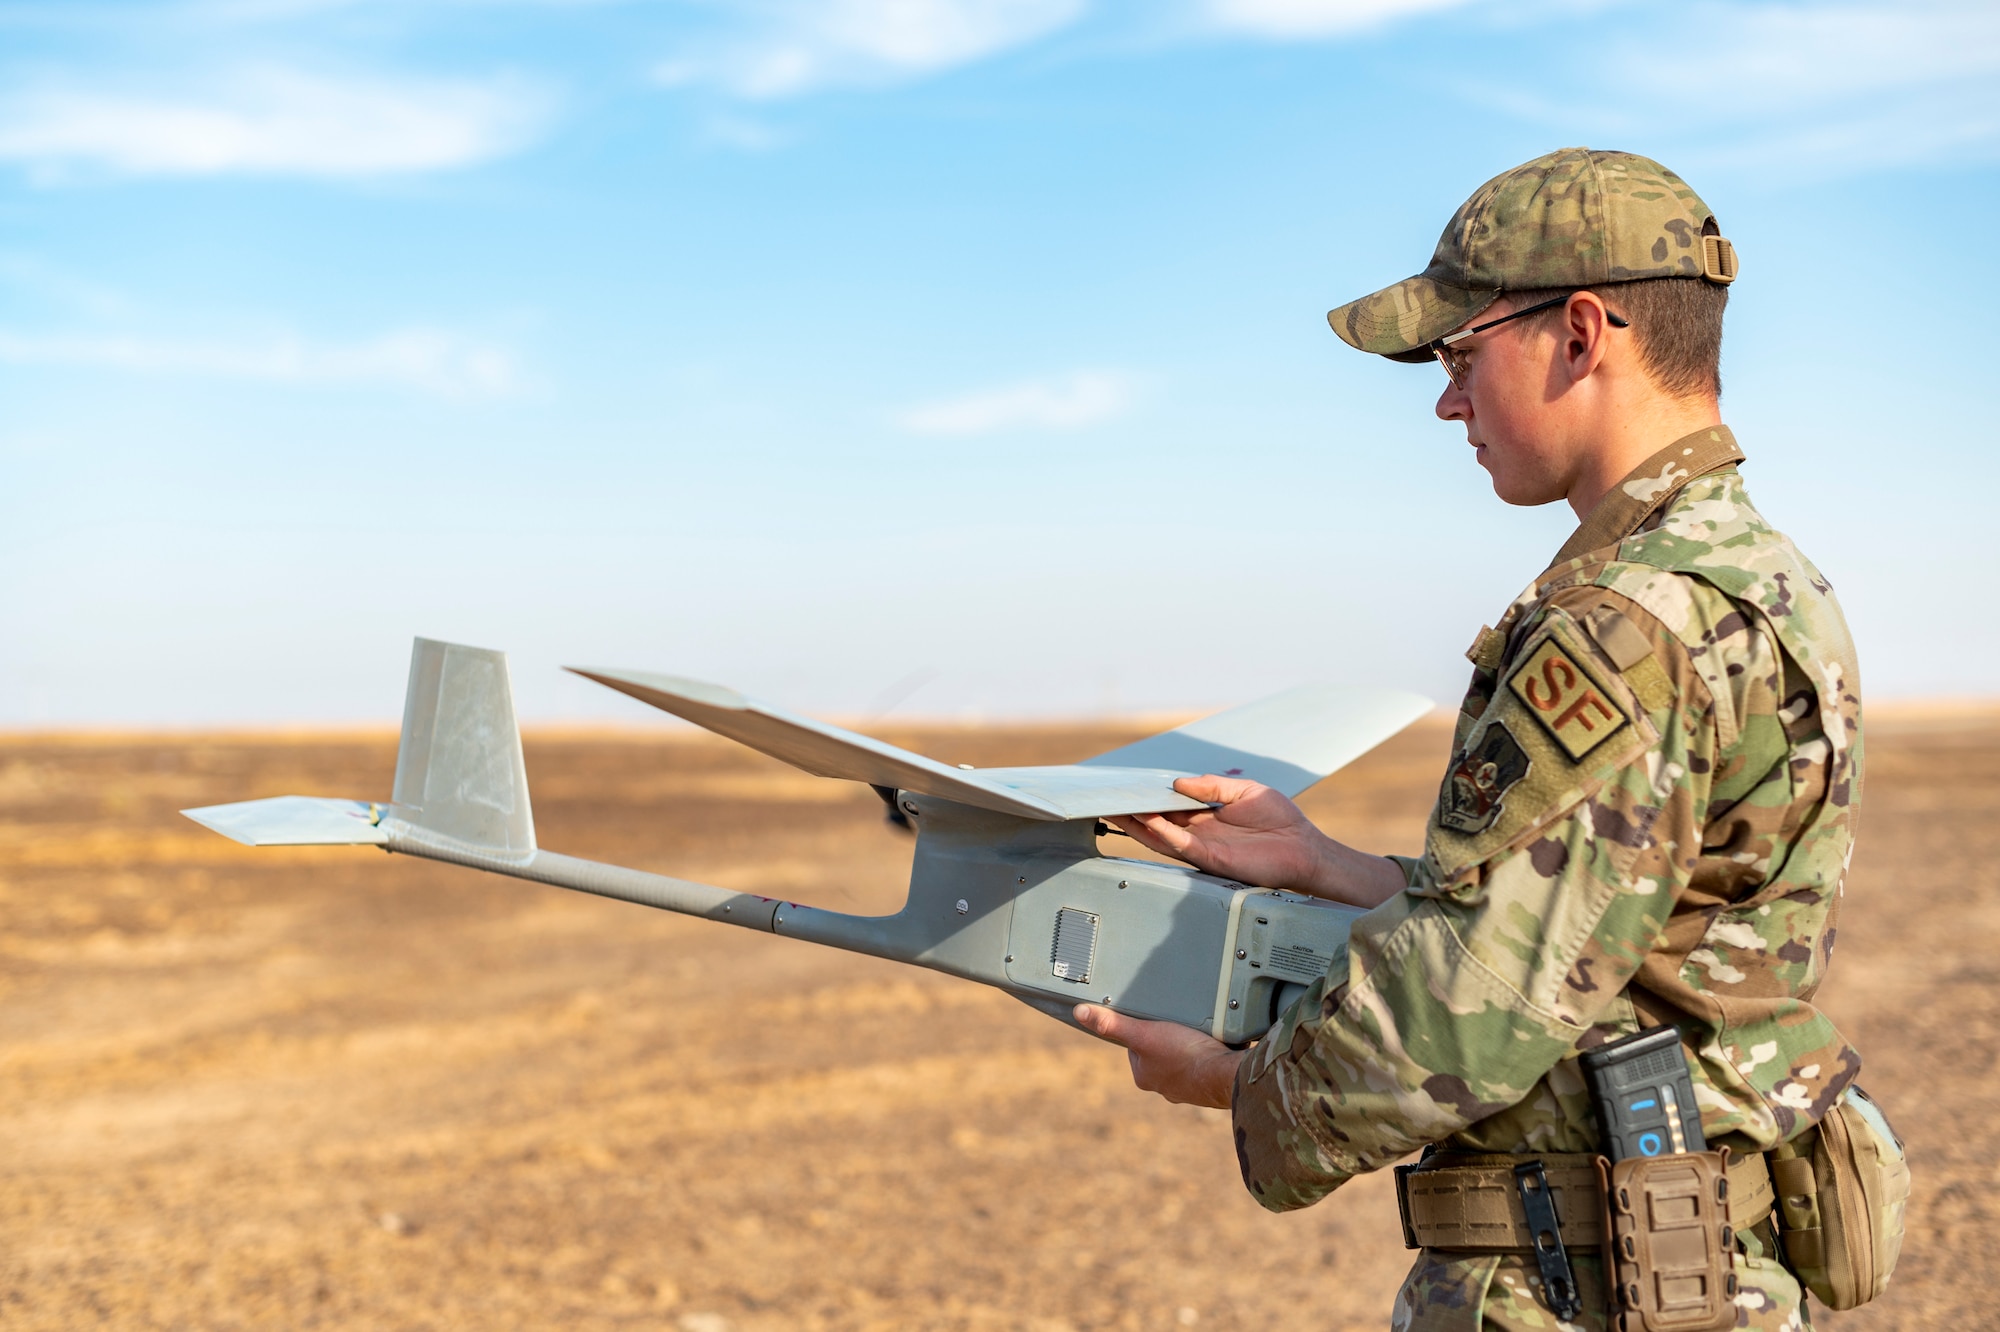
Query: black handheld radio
<point x="1644" y="1095"/>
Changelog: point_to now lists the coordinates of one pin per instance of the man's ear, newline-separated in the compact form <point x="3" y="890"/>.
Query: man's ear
<point x="1586" y="326"/>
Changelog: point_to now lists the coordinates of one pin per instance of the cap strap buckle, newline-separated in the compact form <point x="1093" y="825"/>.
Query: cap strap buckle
<point x="1718" y="260"/>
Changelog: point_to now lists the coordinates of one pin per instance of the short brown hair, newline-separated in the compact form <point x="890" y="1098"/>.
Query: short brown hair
<point x="1678" y="322"/>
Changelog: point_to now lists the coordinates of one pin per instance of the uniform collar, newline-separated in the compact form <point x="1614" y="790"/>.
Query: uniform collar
<point x="1647" y="488"/>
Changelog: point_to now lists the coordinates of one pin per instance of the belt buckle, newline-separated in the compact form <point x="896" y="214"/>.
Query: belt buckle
<point x="1545" y="1237"/>
<point x="1403" y="1173"/>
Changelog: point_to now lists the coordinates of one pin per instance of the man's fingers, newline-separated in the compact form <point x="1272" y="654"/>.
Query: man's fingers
<point x="1134" y="829"/>
<point x="1138" y="1035"/>
<point x="1103" y="1023"/>
<point x="1157" y="833"/>
<point x="1181" y="1064"/>
<point x="1216" y="790"/>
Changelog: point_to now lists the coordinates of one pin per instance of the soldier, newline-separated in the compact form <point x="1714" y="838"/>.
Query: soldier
<point x="1654" y="781"/>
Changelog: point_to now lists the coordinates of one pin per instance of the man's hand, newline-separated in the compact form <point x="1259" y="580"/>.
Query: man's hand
<point x="1186" y="1066"/>
<point x="1259" y="837"/>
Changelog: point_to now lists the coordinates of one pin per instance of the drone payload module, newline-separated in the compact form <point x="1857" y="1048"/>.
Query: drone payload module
<point x="1007" y="885"/>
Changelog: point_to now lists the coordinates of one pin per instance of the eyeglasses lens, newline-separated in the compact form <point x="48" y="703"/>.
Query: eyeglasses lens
<point x="1454" y="366"/>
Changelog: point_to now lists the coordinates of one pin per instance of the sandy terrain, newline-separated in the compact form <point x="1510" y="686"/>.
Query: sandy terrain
<point x="329" y="1088"/>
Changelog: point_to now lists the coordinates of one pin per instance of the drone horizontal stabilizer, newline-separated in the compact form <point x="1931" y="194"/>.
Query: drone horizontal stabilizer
<point x="295" y="821"/>
<point x="1287" y="741"/>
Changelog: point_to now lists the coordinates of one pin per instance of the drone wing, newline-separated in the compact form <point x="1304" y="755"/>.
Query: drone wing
<point x="1264" y="741"/>
<point x="826" y="751"/>
<point x="1288" y="741"/>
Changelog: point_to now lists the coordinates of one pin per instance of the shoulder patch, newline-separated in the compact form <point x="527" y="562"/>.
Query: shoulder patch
<point x="1477" y="787"/>
<point x="1511" y="777"/>
<point x="1572" y="706"/>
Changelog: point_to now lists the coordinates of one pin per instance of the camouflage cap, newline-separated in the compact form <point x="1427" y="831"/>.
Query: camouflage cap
<point x="1576" y="217"/>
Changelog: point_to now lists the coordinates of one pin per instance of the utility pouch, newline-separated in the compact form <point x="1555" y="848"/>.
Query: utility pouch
<point x="1842" y="1187"/>
<point x="1670" y="1243"/>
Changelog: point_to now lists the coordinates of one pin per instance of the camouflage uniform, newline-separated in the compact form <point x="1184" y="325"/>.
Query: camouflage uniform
<point x="1647" y="819"/>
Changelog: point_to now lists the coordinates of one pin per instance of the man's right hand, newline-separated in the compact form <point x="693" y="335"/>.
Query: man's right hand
<point x="1256" y="835"/>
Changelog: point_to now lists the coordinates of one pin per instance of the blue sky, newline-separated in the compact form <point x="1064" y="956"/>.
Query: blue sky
<point x="946" y="357"/>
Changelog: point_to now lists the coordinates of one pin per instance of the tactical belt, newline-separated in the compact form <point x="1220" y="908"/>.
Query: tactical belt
<point x="1470" y="1200"/>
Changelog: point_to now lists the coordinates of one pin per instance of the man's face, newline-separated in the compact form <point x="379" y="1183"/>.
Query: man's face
<point x="1509" y="407"/>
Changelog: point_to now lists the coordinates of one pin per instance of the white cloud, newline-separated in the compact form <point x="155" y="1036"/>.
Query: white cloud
<point x="807" y="44"/>
<point x="1783" y="57"/>
<point x="1064" y="403"/>
<point x="1928" y="130"/>
<point x="270" y="121"/>
<point x="1840" y="89"/>
<point x="1798" y="90"/>
<point x="1316" y="18"/>
<point x="421" y="358"/>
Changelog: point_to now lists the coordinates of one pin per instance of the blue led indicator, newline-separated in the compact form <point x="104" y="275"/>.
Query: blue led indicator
<point x="1646" y="1104"/>
<point x="1649" y="1144"/>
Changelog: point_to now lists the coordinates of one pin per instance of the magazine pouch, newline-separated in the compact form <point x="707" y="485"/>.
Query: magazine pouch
<point x="1671" y="1243"/>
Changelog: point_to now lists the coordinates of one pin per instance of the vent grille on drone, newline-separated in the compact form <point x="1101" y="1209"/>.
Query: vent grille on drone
<point x="1075" y="945"/>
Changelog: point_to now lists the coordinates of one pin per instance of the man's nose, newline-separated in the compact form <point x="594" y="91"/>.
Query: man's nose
<point x="1453" y="404"/>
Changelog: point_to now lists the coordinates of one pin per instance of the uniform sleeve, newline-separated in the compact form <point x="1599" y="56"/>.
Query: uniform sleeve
<point x="1563" y="833"/>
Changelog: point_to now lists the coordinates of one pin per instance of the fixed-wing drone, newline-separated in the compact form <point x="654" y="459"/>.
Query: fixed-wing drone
<point x="1007" y="886"/>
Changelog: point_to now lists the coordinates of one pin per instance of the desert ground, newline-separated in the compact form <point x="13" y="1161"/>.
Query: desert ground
<point x="329" y="1088"/>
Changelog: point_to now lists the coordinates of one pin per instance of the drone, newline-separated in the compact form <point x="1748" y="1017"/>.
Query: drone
<point x="1008" y="886"/>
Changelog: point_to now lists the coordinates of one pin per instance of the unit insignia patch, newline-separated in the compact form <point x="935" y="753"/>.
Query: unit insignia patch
<point x="1480" y="780"/>
<point x="1563" y="697"/>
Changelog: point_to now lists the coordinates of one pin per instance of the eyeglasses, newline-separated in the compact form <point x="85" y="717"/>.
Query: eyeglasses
<point x="1455" y="365"/>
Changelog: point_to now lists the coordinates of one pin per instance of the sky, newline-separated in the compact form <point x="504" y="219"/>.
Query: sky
<point x="900" y="358"/>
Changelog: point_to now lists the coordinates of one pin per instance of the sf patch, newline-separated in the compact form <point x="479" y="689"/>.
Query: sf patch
<point x="1479" y="781"/>
<point x="1571" y="706"/>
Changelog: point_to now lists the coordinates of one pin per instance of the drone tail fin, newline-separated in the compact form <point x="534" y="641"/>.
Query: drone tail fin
<point x="459" y="770"/>
<point x="459" y="774"/>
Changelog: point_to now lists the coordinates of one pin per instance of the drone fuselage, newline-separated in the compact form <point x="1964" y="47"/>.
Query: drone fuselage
<point x="1024" y="905"/>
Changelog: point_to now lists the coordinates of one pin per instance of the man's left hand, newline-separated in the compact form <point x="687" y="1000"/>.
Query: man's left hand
<point x="1186" y="1066"/>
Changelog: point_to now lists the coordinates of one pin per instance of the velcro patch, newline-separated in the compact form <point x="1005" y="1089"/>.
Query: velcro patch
<point x="1487" y="650"/>
<point x="1633" y="655"/>
<point x="1566" y="699"/>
